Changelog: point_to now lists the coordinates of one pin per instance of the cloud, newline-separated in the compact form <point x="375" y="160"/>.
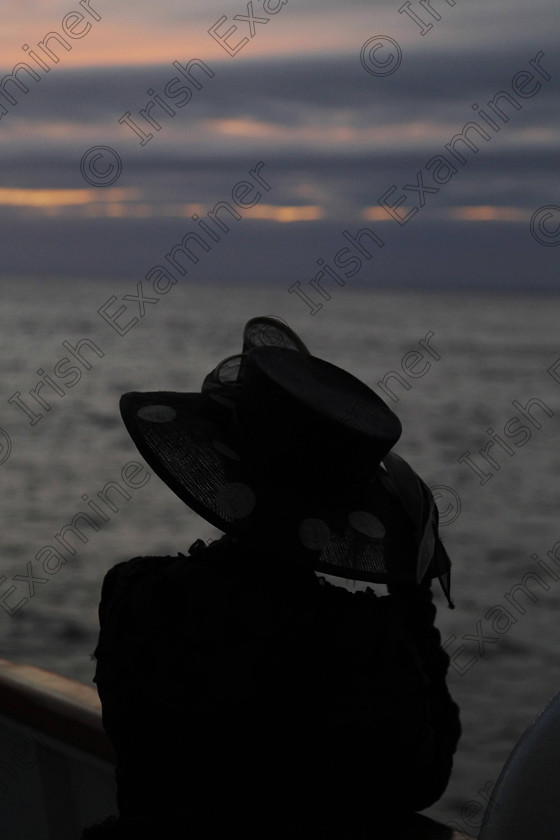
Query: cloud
<point x="282" y="87"/>
<point x="334" y="139"/>
<point x="313" y="103"/>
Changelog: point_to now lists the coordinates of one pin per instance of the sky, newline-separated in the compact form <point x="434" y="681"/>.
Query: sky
<point x="110" y="135"/>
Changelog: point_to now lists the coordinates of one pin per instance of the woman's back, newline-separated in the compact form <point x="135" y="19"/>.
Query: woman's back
<point x="246" y="701"/>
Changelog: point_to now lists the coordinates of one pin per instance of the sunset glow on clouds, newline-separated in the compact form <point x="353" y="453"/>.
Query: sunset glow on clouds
<point x="187" y="97"/>
<point x="132" y="203"/>
<point x="132" y="33"/>
<point x="140" y="34"/>
<point x="135" y="203"/>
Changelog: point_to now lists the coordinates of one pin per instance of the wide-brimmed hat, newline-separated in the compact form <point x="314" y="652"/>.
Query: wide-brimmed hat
<point x="292" y="454"/>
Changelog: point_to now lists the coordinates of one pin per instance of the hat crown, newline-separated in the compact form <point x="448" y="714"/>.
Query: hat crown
<point x="302" y="416"/>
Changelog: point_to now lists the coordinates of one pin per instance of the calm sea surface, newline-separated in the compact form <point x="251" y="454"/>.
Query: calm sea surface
<point x="485" y="354"/>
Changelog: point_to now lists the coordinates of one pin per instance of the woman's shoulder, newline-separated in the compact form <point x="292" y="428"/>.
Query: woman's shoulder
<point x="200" y="556"/>
<point x="221" y="562"/>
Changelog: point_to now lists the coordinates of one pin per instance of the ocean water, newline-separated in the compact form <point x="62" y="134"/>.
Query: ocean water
<point x="467" y="365"/>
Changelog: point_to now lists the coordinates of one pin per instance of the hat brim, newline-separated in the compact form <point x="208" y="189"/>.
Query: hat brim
<point x="362" y="532"/>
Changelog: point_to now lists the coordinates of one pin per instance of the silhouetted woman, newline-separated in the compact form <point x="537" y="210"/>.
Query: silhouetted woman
<point x="244" y="693"/>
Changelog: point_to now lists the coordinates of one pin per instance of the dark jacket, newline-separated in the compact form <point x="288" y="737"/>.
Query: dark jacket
<point x="247" y="699"/>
